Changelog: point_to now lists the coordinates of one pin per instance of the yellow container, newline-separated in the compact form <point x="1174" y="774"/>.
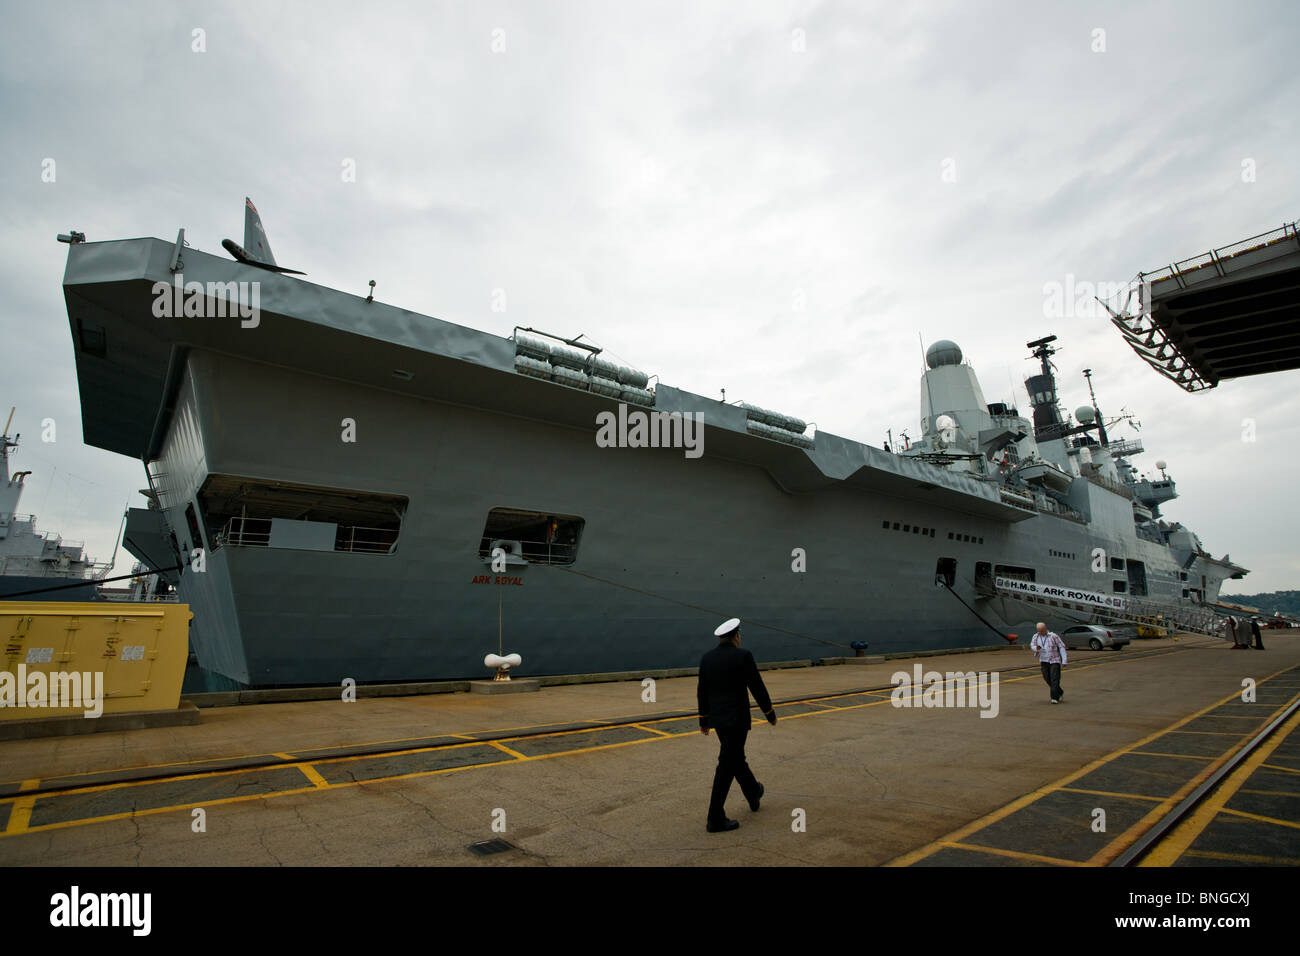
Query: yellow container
<point x="65" y="658"/>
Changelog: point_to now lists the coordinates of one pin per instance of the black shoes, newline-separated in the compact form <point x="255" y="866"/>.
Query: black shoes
<point x="726" y="824"/>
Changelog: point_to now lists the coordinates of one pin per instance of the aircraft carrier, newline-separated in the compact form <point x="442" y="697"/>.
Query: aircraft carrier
<point x="340" y="488"/>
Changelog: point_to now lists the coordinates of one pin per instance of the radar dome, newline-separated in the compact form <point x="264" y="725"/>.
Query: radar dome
<point x="943" y="352"/>
<point x="1086" y="414"/>
<point x="945" y="423"/>
<point x="1161" y="464"/>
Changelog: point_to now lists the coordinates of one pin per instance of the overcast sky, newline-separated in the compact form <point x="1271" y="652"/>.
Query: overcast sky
<point x="771" y="198"/>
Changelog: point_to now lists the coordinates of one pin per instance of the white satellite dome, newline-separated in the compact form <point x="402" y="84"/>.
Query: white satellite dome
<point x="1161" y="464"/>
<point x="1085" y="414"/>
<point x="945" y="423"/>
<point x="943" y="352"/>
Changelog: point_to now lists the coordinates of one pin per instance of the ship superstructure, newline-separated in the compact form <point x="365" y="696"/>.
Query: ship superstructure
<point x="1070" y="468"/>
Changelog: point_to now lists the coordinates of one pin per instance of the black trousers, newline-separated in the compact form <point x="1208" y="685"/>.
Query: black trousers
<point x="731" y="766"/>
<point x="1052" y="674"/>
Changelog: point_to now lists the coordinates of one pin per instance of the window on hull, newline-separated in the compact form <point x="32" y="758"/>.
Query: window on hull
<point x="538" y="537"/>
<point x="252" y="512"/>
<point x="945" y="571"/>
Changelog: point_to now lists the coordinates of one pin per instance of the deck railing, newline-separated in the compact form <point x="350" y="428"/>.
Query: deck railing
<point x="256" y="533"/>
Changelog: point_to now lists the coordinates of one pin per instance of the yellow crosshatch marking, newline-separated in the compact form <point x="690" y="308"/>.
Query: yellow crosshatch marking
<point x="1261" y="819"/>
<point x="1156" y="753"/>
<point x="504" y="749"/>
<point x="20" y="817"/>
<point x="661" y="733"/>
<point x="1184" y="835"/>
<point x="1130" y="836"/>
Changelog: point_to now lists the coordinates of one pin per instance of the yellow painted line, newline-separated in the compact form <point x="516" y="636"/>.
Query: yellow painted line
<point x="1259" y="818"/>
<point x="1156" y="753"/>
<point x="21" y="810"/>
<point x="285" y="756"/>
<point x="311" y="774"/>
<point x="1271" y="793"/>
<point x="506" y="750"/>
<point x="1014" y="854"/>
<point x="1246" y="858"/>
<point x="96" y="788"/>
<point x="1273" y="766"/>
<point x="661" y="733"/>
<point x="19" y="815"/>
<point x="158" y="766"/>
<point x="1184" y="835"/>
<point x="1212" y="733"/>
<point x="1230" y="717"/>
<point x="65" y="824"/>
<point x="1110" y="793"/>
<point x="31" y="784"/>
<point x="920" y="853"/>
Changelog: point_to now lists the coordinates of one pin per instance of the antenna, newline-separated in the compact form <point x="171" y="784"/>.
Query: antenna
<point x="1101" y="420"/>
<point x="925" y="377"/>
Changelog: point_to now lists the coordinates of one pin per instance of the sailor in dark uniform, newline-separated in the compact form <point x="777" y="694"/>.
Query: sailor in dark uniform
<point x="728" y="675"/>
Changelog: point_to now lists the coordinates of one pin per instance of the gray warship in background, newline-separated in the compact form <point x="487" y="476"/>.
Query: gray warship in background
<point x="334" y="476"/>
<point x="38" y="561"/>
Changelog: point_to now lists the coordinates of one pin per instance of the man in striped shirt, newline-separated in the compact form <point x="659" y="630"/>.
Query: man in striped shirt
<point x="1050" y="651"/>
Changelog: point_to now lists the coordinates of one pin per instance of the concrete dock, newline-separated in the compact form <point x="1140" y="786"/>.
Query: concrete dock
<point x="598" y="774"/>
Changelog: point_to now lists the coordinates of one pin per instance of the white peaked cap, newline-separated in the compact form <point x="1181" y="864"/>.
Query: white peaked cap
<point x="727" y="627"/>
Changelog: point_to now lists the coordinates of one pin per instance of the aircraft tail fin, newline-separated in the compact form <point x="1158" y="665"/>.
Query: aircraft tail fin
<point x="255" y="242"/>
<point x="256" y="250"/>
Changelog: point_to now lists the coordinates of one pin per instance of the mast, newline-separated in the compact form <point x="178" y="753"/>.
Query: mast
<point x="1048" y="423"/>
<point x="1101" y="421"/>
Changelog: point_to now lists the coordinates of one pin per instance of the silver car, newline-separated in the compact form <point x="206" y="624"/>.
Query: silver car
<point x="1096" y="637"/>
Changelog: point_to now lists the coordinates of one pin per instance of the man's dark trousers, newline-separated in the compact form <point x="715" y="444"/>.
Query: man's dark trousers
<point x="731" y="766"/>
<point x="1052" y="674"/>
